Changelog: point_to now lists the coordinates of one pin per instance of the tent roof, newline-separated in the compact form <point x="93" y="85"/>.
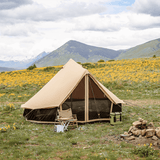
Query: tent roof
<point x="55" y="92"/>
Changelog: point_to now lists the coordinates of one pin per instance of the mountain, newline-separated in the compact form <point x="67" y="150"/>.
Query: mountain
<point x="4" y="69"/>
<point x="78" y="51"/>
<point x="147" y="49"/>
<point x="21" y="64"/>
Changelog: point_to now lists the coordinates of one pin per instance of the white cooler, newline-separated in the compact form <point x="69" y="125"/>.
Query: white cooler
<point x="59" y="128"/>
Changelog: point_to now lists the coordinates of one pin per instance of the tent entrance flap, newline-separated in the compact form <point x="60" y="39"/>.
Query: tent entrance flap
<point x="99" y="104"/>
<point x="76" y="101"/>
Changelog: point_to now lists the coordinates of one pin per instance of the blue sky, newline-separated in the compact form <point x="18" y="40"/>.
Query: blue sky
<point x="122" y="2"/>
<point x="29" y="27"/>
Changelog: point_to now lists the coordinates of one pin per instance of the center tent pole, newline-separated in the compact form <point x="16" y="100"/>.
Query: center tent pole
<point x="86" y="98"/>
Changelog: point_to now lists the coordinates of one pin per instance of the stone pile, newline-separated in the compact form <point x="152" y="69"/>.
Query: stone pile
<point x="140" y="129"/>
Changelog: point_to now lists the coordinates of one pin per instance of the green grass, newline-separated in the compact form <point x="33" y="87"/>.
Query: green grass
<point x="39" y="141"/>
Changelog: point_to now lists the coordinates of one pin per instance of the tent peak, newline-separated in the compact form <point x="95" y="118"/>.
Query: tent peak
<point x="71" y="62"/>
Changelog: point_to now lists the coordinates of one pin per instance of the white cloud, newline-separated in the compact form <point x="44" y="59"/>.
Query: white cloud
<point x="37" y="12"/>
<point x="151" y="7"/>
<point x="18" y="30"/>
<point x="10" y="4"/>
<point x="114" y="22"/>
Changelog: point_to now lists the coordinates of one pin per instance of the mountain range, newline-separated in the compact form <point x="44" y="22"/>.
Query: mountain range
<point x="147" y="49"/>
<point x="19" y="64"/>
<point x="78" y="51"/>
<point x="81" y="52"/>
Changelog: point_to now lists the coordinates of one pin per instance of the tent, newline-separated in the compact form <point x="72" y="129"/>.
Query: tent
<point x="72" y="87"/>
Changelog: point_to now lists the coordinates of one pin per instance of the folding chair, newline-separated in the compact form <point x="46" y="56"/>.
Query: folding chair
<point x="65" y="117"/>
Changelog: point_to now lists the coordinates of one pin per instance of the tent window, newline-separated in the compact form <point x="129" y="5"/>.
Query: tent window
<point x="41" y="114"/>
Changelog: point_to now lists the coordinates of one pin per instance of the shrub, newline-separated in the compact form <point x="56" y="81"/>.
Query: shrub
<point x="154" y="56"/>
<point x="101" y="60"/>
<point x="47" y="69"/>
<point x="31" y="67"/>
<point x="111" y="60"/>
<point x="88" y="65"/>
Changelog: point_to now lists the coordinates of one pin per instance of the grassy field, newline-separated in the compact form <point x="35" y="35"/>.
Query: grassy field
<point x="136" y="81"/>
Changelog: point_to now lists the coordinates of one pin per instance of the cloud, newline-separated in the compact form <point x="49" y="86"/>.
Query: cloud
<point x="102" y="23"/>
<point x="18" y="30"/>
<point x="116" y="22"/>
<point x="142" y="21"/>
<point x="151" y="7"/>
<point x="37" y="12"/>
<point x="10" y="4"/>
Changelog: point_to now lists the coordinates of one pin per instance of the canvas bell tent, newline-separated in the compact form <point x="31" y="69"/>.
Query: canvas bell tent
<point x="72" y="87"/>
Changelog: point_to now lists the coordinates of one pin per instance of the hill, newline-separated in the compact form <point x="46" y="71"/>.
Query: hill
<point x="3" y="69"/>
<point x="147" y="49"/>
<point x="78" y="51"/>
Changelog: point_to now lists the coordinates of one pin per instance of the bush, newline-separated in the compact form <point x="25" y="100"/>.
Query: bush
<point x="88" y="65"/>
<point x="154" y="56"/>
<point x="101" y="60"/>
<point x="48" y="69"/>
<point x="111" y="60"/>
<point x="31" y="67"/>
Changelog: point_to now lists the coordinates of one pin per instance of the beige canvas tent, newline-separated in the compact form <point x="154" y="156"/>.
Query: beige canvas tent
<point x="72" y="87"/>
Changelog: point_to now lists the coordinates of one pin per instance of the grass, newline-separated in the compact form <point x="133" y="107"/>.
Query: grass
<point x="89" y="141"/>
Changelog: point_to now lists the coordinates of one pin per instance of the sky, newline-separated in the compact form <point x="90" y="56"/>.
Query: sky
<point x="29" y="27"/>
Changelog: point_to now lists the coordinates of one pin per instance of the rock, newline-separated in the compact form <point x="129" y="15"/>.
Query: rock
<point x="157" y="132"/>
<point x="143" y="127"/>
<point x="125" y="133"/>
<point x="130" y="138"/>
<point x="140" y="120"/>
<point x="130" y="129"/>
<point x="150" y="133"/>
<point x="143" y="132"/>
<point x="134" y="128"/>
<point x="124" y="136"/>
<point x="140" y="136"/>
<point x="137" y="132"/>
<point x="144" y="122"/>
<point x="150" y="126"/>
<point x="155" y="143"/>
<point x="137" y="124"/>
<point x="154" y="138"/>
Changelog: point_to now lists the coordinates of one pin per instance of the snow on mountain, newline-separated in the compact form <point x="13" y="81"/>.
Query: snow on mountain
<point x="19" y="62"/>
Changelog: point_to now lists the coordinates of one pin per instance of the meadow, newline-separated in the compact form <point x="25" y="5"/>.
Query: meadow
<point x="131" y="80"/>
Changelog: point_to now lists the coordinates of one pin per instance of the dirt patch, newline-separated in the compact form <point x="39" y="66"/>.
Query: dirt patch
<point x="142" y="102"/>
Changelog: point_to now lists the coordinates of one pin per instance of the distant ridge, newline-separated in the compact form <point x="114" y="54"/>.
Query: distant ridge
<point x="147" y="49"/>
<point x="4" y="69"/>
<point x="78" y="51"/>
<point x="21" y="64"/>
